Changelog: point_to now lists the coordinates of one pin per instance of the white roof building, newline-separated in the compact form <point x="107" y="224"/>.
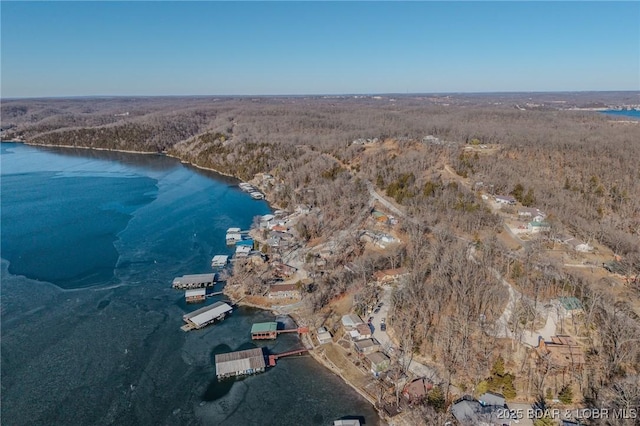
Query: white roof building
<point x="207" y="315"/>
<point x="351" y="321"/>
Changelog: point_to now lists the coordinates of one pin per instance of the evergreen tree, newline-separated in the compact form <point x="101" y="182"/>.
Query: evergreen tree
<point x="566" y="395"/>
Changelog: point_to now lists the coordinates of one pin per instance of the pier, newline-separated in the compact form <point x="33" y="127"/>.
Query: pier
<point x="269" y="331"/>
<point x="274" y="357"/>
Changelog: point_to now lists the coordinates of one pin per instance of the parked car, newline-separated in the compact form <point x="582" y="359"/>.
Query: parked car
<point x="376" y="311"/>
<point x="383" y="327"/>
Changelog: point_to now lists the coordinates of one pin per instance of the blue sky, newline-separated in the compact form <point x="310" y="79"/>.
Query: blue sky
<point x="261" y="48"/>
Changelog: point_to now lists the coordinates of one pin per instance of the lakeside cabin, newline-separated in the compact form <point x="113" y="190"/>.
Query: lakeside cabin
<point x="197" y="295"/>
<point x="240" y="363"/>
<point x="194" y="281"/>
<point x="219" y="261"/>
<point x="264" y="331"/>
<point x="205" y="316"/>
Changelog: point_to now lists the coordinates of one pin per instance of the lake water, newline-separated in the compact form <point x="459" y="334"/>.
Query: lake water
<point x="624" y="113"/>
<point x="91" y="241"/>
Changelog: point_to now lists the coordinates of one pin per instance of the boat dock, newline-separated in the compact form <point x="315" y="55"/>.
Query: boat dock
<point x="205" y="316"/>
<point x="196" y="295"/>
<point x="219" y="261"/>
<point x="240" y="363"/>
<point x="269" y="330"/>
<point x="186" y="282"/>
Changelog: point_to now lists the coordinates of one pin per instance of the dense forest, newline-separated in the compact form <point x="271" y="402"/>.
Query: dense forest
<point x="432" y="157"/>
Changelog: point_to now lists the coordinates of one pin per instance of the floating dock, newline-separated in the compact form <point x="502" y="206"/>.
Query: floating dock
<point x="194" y="281"/>
<point x="196" y="295"/>
<point x="240" y="363"/>
<point x="205" y="316"/>
<point x="219" y="261"/>
<point x="264" y="331"/>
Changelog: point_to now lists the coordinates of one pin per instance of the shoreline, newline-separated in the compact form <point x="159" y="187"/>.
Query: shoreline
<point x="164" y="154"/>
<point x="316" y="356"/>
<point x="319" y="358"/>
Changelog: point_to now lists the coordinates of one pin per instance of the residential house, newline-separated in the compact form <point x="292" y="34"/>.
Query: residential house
<point x="531" y="213"/>
<point x="378" y="362"/>
<point x="537" y="227"/>
<point x="324" y="336"/>
<point x="561" y="353"/>
<point x="267" y="221"/>
<point x="283" y="291"/>
<point x="282" y="270"/>
<point x="367" y="346"/>
<point x="417" y="390"/>
<point x="470" y="412"/>
<point x="351" y="321"/>
<point x="361" y="332"/>
<point x="505" y="199"/>
<point x="491" y="398"/>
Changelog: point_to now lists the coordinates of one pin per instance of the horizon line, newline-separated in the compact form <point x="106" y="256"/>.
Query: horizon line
<point x="397" y="94"/>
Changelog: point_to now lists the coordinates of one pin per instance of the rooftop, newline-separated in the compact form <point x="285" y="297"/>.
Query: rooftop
<point x="232" y="362"/>
<point x="263" y="327"/>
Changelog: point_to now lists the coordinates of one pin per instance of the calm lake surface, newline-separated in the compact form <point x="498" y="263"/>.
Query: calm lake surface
<point x="91" y="241"/>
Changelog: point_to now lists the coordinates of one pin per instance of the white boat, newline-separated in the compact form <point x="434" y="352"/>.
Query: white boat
<point x="257" y="195"/>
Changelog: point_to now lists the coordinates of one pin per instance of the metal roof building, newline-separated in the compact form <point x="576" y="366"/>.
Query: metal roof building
<point x="195" y="295"/>
<point x="219" y="261"/>
<point x="264" y="330"/>
<point x="240" y="363"/>
<point x="194" y="281"/>
<point x="207" y="315"/>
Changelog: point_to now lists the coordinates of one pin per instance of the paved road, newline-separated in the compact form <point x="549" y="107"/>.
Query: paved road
<point x="418" y="369"/>
<point x="528" y="337"/>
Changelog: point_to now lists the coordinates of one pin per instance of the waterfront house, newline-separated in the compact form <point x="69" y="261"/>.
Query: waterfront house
<point x="367" y="346"/>
<point x="283" y="291"/>
<point x="324" y="336"/>
<point x="378" y="362"/>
